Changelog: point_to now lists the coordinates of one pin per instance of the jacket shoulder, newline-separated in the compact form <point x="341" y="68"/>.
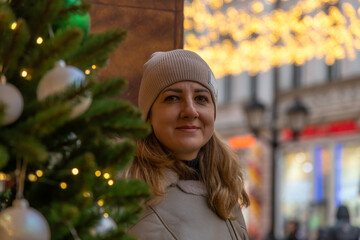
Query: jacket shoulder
<point x="151" y="227"/>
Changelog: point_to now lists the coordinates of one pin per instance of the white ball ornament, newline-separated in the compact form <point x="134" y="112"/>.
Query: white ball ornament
<point x="13" y="101"/>
<point x="58" y="79"/>
<point x="21" y="222"/>
<point x="105" y="225"/>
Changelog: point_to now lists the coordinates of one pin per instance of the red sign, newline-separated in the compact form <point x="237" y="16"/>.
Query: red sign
<point x="343" y="127"/>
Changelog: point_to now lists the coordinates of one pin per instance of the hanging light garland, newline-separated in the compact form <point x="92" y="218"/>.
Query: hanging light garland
<point x="234" y="37"/>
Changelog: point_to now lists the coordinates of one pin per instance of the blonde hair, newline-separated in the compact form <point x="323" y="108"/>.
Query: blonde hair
<point x="220" y="171"/>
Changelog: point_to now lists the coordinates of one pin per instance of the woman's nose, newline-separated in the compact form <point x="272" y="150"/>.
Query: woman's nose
<point x="189" y="110"/>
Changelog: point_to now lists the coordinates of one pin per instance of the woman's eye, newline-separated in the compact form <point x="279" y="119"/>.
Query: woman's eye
<point x="171" y="98"/>
<point x="202" y="99"/>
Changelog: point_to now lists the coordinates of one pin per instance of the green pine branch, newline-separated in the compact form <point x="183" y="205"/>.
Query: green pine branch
<point x="39" y="15"/>
<point x="13" y="52"/>
<point x="96" y="48"/>
<point x="47" y="121"/>
<point x="43" y="57"/>
<point x="4" y="156"/>
<point x="23" y="146"/>
<point x="109" y="87"/>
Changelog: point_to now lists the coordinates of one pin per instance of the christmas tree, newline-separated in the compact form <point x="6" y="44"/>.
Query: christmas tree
<point x="65" y="135"/>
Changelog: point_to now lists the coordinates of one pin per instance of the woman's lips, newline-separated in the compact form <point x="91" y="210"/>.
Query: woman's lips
<point x="188" y="128"/>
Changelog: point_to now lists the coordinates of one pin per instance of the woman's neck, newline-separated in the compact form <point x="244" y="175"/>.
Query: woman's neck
<point x="194" y="164"/>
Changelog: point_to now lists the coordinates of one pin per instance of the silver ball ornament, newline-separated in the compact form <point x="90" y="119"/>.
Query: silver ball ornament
<point x="58" y="79"/>
<point x="21" y="222"/>
<point x="105" y="225"/>
<point x="11" y="97"/>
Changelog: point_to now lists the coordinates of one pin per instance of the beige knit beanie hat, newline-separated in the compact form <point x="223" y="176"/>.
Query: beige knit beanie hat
<point x="166" y="68"/>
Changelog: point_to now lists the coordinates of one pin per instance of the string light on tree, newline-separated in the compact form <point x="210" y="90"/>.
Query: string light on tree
<point x="98" y="173"/>
<point x="100" y="202"/>
<point x="3" y="176"/>
<point x="39" y="173"/>
<point x="39" y="40"/>
<point x="75" y="171"/>
<point x="86" y="194"/>
<point x="111" y="182"/>
<point x="13" y="25"/>
<point x="24" y="73"/>
<point x="32" y="177"/>
<point x="63" y="185"/>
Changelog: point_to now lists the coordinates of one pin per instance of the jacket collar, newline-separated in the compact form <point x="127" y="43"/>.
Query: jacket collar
<point x="188" y="186"/>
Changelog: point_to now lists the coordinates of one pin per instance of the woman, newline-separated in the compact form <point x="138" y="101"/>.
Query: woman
<point x="196" y="178"/>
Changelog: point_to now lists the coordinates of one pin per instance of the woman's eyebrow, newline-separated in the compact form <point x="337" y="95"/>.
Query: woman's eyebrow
<point x="202" y="90"/>
<point x="172" y="90"/>
<point x="178" y="90"/>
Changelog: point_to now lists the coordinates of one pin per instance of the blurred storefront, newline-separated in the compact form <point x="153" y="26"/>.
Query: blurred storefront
<point x="319" y="173"/>
<point x="315" y="175"/>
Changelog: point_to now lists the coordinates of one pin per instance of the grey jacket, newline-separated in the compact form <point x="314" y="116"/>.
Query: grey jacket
<point x="183" y="214"/>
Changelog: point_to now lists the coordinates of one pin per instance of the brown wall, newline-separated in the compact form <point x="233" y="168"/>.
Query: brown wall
<point x="152" y="25"/>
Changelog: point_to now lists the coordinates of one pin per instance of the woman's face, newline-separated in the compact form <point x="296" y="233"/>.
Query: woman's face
<point x="183" y="118"/>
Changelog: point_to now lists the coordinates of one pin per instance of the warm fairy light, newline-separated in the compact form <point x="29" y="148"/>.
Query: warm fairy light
<point x="63" y="185"/>
<point x="3" y="176"/>
<point x="98" y="173"/>
<point x="106" y="215"/>
<point x="87" y="71"/>
<point x="24" y="73"/>
<point x="111" y="182"/>
<point x="86" y="194"/>
<point x="93" y="66"/>
<point x="75" y="171"/>
<point x="235" y="37"/>
<point x="13" y="26"/>
<point x="106" y="175"/>
<point x="39" y="173"/>
<point x="100" y="202"/>
<point x="257" y="7"/>
<point x="32" y="177"/>
<point x="39" y="40"/>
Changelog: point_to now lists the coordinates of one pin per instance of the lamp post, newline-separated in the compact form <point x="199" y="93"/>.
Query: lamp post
<point x="297" y="116"/>
<point x="255" y="114"/>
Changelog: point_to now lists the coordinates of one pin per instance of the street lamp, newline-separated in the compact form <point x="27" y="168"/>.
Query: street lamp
<point x="255" y="114"/>
<point x="297" y="117"/>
